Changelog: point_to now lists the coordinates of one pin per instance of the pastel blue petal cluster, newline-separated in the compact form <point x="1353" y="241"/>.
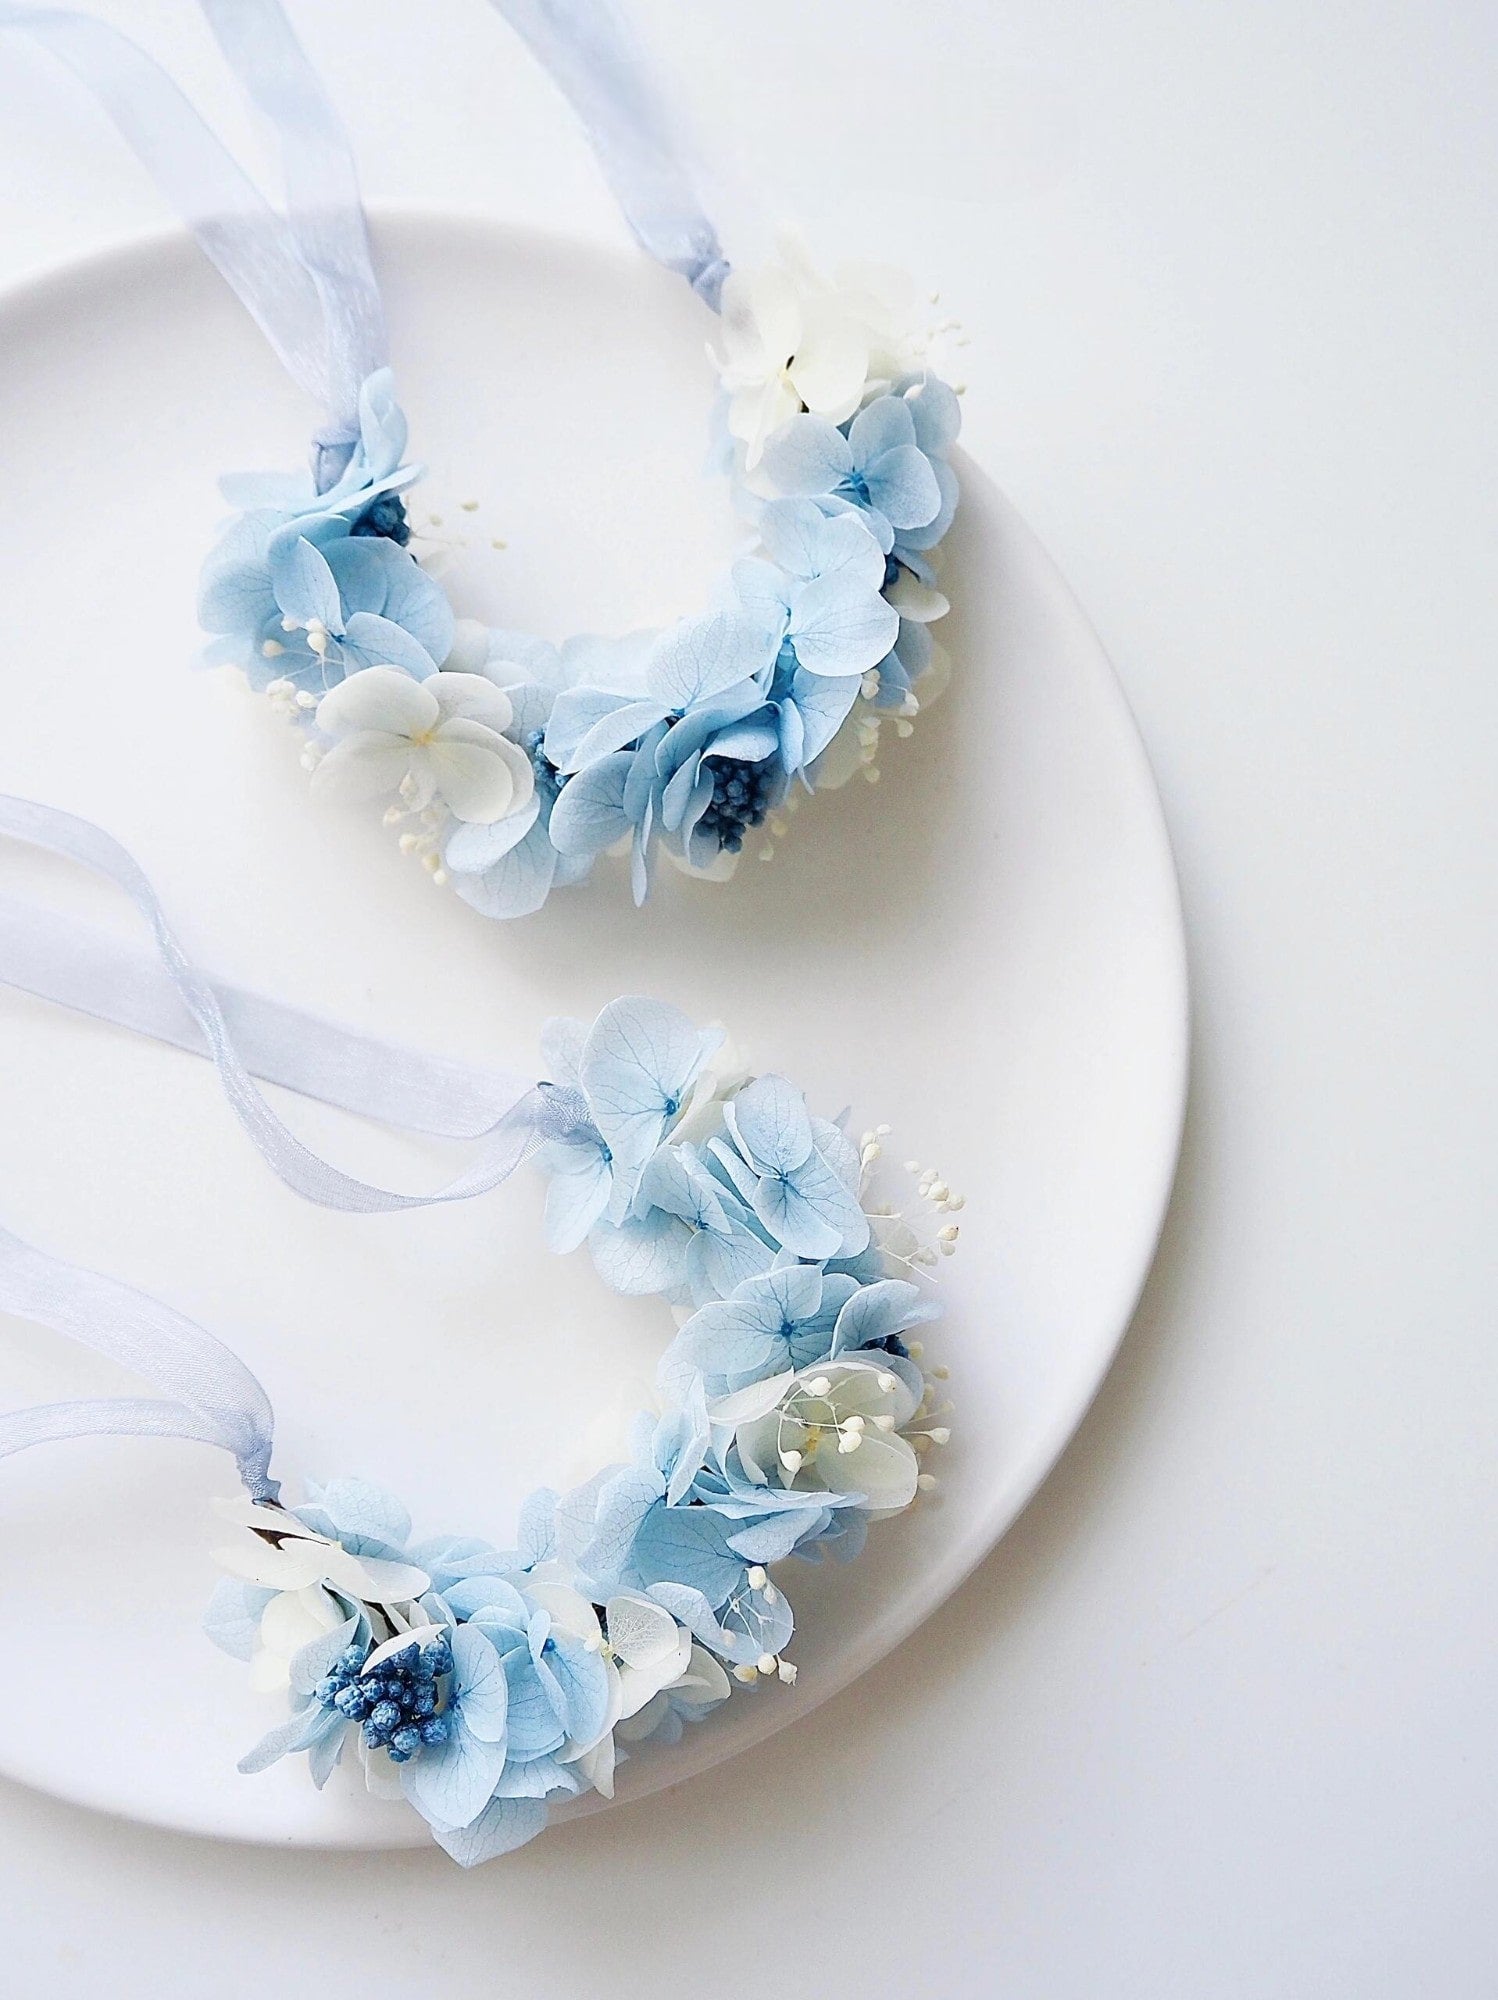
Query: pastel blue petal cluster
<point x="682" y="1192"/>
<point x="485" y="1701"/>
<point x="686" y="740"/>
<point x="296" y="560"/>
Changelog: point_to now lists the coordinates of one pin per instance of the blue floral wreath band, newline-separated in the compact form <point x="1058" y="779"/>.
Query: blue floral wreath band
<point x="793" y="1406"/>
<point x="510" y="764"/>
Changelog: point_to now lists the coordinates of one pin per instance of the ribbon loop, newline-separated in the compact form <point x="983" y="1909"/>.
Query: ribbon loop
<point x="213" y="1397"/>
<point x="602" y="70"/>
<point x="508" y="1117"/>
<point x="305" y="278"/>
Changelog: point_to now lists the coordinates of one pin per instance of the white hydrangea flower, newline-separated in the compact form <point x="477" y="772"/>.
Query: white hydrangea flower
<point x="437" y="741"/>
<point x="832" y="1427"/>
<point x="280" y="1553"/>
<point x="792" y="340"/>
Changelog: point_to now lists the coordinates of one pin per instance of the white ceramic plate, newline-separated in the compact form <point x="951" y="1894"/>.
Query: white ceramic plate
<point x="985" y="950"/>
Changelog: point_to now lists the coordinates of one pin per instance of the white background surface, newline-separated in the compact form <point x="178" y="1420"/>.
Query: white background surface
<point x="1217" y="1717"/>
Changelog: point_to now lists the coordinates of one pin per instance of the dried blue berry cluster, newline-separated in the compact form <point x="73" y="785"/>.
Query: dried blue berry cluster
<point x="399" y="1704"/>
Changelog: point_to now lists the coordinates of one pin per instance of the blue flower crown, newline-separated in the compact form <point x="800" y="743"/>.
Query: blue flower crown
<point x="511" y="764"/>
<point x="793" y="1408"/>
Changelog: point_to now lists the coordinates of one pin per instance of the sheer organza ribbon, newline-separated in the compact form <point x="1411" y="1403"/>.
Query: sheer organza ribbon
<point x="305" y="275"/>
<point x="607" y="78"/>
<point x="163" y="994"/>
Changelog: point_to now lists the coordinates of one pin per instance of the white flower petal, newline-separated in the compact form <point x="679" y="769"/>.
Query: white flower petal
<point x="415" y="1635"/>
<point x="831" y="365"/>
<point x="704" y="1678"/>
<point x="470" y="647"/>
<point x="473" y="697"/>
<point x="597" y="1765"/>
<point x="745" y="1405"/>
<point x="642" y="1633"/>
<point x="378" y="698"/>
<point x="292" y="1567"/>
<point x="372" y="1578"/>
<point x="482" y="775"/>
<point x="915" y="600"/>
<point x="367" y="764"/>
<point x="569" y="1610"/>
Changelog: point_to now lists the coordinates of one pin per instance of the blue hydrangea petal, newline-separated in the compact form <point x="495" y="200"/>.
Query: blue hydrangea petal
<point x="383" y="430"/>
<point x="370" y="640"/>
<point x="807" y="456"/>
<point x="577" y="1196"/>
<point x="874" y="1312"/>
<point x="772" y="1539"/>
<point x="770" y="1121"/>
<point x="450" y="1783"/>
<point x="535" y="661"/>
<point x="795" y="1221"/>
<point x="500" y="1828"/>
<point x="518" y="883"/>
<point x="675" y="1182"/>
<point x="589" y="814"/>
<point x="812" y="1212"/>
<point x="764" y="591"/>
<point x="886" y="424"/>
<point x="538" y="1527"/>
<point x="811" y="1339"/>
<point x="534" y="1729"/>
<point x="563" y="1039"/>
<point x="323" y="1756"/>
<point x="479" y="1682"/>
<point x="936" y="411"/>
<point x="234" y="593"/>
<point x="811" y="540"/>
<point x="731" y="1344"/>
<point x="638" y="1064"/>
<point x="702" y="657"/>
<point x="590" y="723"/>
<point x="687" y="1545"/>
<point x="304" y="585"/>
<point x="624" y="1500"/>
<point x="717" y="1263"/>
<point x="298" y="1732"/>
<point x="931" y="534"/>
<point x="311" y="1662"/>
<point x="841" y="626"/>
<point x="473" y="849"/>
<point x="232" y="1620"/>
<point x="374" y="575"/>
<point x="821" y="704"/>
<point x="538" y="1778"/>
<point x="641" y="1255"/>
<point x="356" y="1509"/>
<point x="903" y="485"/>
<point x="794" y="534"/>
<point x="581" y="1682"/>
